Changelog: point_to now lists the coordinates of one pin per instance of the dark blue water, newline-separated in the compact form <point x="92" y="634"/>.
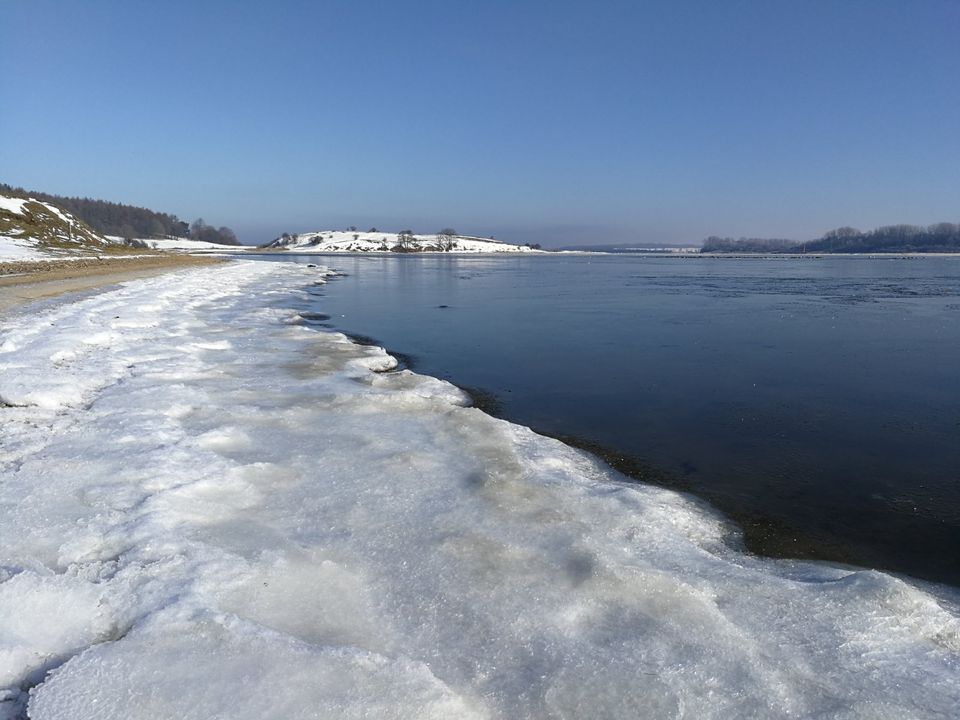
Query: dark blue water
<point x="816" y="401"/>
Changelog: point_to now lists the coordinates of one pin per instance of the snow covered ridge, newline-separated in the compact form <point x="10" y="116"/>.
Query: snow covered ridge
<point x="325" y="241"/>
<point x="31" y="229"/>
<point x="210" y="508"/>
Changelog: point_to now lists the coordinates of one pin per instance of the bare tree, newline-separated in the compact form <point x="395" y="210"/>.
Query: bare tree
<point x="445" y="239"/>
<point x="227" y="236"/>
<point x="405" y="239"/>
<point x="196" y="228"/>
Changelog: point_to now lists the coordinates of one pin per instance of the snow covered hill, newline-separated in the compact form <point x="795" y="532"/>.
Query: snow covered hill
<point x="325" y="241"/>
<point x="35" y="230"/>
<point x="31" y="230"/>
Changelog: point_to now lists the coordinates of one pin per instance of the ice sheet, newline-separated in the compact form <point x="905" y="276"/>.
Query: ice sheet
<point x="210" y="509"/>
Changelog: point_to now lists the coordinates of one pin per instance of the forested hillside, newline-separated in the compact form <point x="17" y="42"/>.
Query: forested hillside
<point x="127" y="221"/>
<point x="940" y="237"/>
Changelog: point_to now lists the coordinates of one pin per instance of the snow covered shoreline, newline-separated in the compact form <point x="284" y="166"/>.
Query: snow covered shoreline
<point x="209" y="507"/>
<point x="25" y="282"/>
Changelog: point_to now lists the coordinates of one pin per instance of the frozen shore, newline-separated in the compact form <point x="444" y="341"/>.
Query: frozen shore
<point x="27" y="281"/>
<point x="210" y="509"/>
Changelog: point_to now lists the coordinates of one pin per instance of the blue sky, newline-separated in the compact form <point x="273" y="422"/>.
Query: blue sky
<point x="554" y="122"/>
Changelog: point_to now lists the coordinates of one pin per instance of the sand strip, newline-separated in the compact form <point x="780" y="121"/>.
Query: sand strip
<point x="25" y="282"/>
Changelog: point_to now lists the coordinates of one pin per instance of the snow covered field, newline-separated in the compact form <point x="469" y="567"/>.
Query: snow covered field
<point x="172" y="243"/>
<point x="210" y="509"/>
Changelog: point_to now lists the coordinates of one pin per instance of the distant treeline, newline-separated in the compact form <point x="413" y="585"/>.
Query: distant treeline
<point x="765" y="245"/>
<point x="128" y="221"/>
<point x="941" y="237"/>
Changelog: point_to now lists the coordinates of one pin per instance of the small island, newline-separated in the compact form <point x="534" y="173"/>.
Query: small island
<point x="405" y="241"/>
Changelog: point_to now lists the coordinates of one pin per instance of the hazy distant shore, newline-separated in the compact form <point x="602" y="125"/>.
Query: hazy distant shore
<point x="816" y="256"/>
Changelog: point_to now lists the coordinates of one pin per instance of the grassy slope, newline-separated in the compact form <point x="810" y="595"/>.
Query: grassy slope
<point x="42" y="226"/>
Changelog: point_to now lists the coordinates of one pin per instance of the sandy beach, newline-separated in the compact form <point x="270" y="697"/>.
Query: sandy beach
<point x="24" y="282"/>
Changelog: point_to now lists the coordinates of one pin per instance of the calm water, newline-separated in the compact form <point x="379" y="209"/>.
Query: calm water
<point x="816" y="401"/>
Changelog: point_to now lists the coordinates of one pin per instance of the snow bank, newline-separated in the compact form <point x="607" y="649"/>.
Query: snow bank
<point x="13" y="249"/>
<point x="11" y="204"/>
<point x="210" y="509"/>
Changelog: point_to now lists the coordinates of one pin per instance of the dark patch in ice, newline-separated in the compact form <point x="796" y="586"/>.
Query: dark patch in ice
<point x="476" y="480"/>
<point x="8" y="572"/>
<point x="442" y="307"/>
<point x="313" y="318"/>
<point x="365" y="340"/>
<point x="580" y="567"/>
<point x="13" y="704"/>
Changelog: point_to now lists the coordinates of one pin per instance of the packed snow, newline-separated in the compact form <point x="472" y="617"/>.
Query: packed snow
<point x="211" y="508"/>
<point x="15" y="249"/>
<point x="327" y="241"/>
<point x="12" y="205"/>
<point x="62" y="216"/>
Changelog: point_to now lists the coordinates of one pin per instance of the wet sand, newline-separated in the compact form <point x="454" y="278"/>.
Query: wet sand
<point x="25" y="282"/>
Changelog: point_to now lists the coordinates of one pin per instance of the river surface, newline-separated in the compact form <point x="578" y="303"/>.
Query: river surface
<point x="815" y="401"/>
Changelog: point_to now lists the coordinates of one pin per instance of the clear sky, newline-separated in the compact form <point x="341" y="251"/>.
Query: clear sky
<point x="553" y="122"/>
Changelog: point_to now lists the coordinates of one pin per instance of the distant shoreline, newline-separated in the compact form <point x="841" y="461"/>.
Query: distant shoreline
<point x="568" y="253"/>
<point x="820" y="255"/>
